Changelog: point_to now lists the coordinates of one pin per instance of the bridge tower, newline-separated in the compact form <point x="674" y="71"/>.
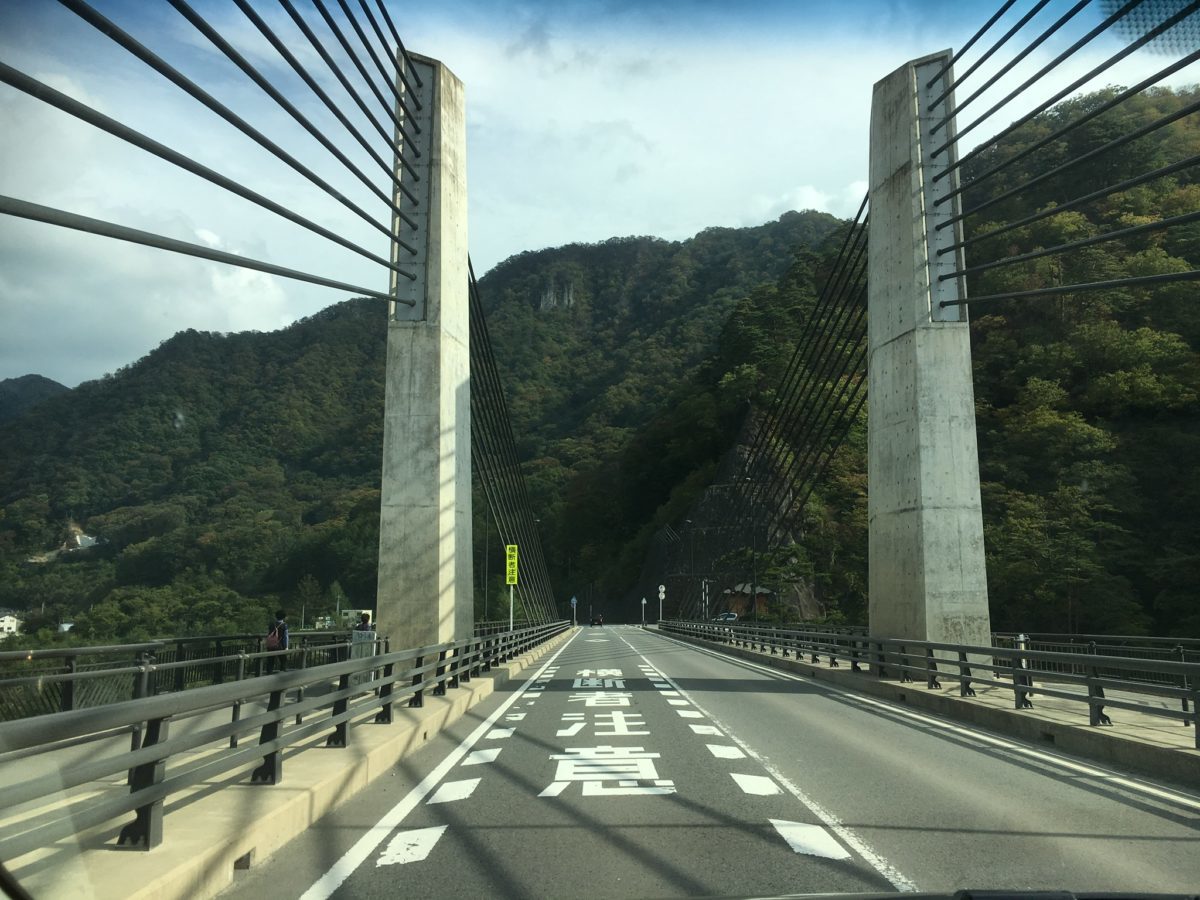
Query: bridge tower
<point x="425" y="573"/>
<point x="927" y="574"/>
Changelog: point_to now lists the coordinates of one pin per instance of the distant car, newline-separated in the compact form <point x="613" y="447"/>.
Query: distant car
<point x="597" y="620"/>
<point x="726" y="617"/>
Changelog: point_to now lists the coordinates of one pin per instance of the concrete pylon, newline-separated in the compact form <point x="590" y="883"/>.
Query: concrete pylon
<point x="927" y="573"/>
<point x="425" y="574"/>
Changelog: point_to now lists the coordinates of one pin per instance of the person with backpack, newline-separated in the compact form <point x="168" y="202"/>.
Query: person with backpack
<point x="277" y="639"/>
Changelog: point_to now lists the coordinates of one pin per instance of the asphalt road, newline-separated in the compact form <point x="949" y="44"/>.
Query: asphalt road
<point x="632" y="765"/>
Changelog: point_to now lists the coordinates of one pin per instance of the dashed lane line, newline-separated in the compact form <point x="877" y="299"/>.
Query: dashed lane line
<point x="450" y="791"/>
<point x="848" y="837"/>
<point x="410" y="846"/>
<point x="756" y="785"/>
<point x="324" y="887"/>
<point x="1171" y="796"/>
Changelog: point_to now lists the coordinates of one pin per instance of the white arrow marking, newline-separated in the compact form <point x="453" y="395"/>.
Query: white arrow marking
<point x="812" y="840"/>
<point x="760" y="785"/>
<point x="479" y="757"/>
<point x="411" y="846"/>
<point x="454" y="790"/>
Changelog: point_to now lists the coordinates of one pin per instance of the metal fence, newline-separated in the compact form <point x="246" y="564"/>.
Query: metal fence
<point x="1143" y="683"/>
<point x="328" y="698"/>
<point x="38" y="682"/>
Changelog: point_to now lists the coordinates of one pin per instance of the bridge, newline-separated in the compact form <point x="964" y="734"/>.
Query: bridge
<point x="671" y="755"/>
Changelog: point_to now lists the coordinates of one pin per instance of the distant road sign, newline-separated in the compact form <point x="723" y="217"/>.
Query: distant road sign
<point x="572" y="603"/>
<point x="510" y="563"/>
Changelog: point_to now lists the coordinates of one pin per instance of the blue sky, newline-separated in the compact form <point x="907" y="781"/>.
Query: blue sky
<point x="585" y="120"/>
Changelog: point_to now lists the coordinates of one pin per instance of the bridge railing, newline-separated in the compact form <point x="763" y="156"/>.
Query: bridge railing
<point x="38" y="682"/>
<point x="1141" y="684"/>
<point x="1083" y="646"/>
<point x="168" y="730"/>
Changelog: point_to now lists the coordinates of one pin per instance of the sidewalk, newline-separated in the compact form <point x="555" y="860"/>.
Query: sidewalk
<point x="1149" y="745"/>
<point x="227" y="823"/>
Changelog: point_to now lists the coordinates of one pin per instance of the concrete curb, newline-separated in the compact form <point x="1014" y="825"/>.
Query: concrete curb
<point x="230" y="824"/>
<point x="1103" y="745"/>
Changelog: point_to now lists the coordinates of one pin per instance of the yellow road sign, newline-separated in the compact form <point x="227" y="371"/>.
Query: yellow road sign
<point x="510" y="563"/>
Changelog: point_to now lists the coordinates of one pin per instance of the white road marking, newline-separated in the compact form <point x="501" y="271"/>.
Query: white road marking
<point x="410" y="846"/>
<point x="678" y="702"/>
<point x="570" y="730"/>
<point x="515" y="717"/>
<point x="852" y="840"/>
<point x="451" y="791"/>
<point x="1108" y="776"/>
<point x="760" y="785"/>
<point x="499" y="734"/>
<point x="812" y="840"/>
<point x="706" y="729"/>
<point x="479" y="757"/>
<point x="720" y="751"/>
<point x="689" y="714"/>
<point x="324" y="887"/>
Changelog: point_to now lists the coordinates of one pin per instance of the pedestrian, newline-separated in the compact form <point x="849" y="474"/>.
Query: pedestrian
<point x="277" y="639"/>
<point x="364" y="623"/>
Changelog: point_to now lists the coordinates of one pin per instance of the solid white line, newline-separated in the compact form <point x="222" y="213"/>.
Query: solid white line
<point x="365" y="845"/>
<point x="852" y="840"/>
<point x="1169" y="795"/>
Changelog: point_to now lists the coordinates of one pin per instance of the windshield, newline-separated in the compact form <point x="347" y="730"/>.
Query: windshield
<point x="599" y="450"/>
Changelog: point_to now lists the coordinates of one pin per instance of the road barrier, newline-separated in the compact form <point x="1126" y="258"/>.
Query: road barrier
<point x="1013" y="668"/>
<point x="327" y="701"/>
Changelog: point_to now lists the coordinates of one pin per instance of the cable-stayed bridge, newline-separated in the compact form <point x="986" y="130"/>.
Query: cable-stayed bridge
<point x="437" y="756"/>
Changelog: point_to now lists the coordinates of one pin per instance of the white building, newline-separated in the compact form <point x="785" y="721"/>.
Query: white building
<point x="9" y="624"/>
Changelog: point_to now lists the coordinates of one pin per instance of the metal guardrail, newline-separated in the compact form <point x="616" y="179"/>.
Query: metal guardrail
<point x="346" y="691"/>
<point x="1011" y="668"/>
<point x="1185" y="650"/>
<point x="39" y="682"/>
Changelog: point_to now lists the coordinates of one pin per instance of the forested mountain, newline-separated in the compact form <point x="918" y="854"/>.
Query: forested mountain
<point x="25" y="392"/>
<point x="1088" y="404"/>
<point x="224" y="474"/>
<point x="227" y="473"/>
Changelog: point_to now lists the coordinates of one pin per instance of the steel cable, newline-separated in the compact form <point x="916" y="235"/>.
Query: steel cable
<point x="1012" y="63"/>
<point x="1004" y="7"/>
<point x="136" y="48"/>
<point x="52" y="97"/>
<point x="202" y="25"/>
<point x="1150" y="128"/>
<point x="986" y="56"/>
<point x="24" y="209"/>
<point x="1059" y="95"/>
<point x="299" y="68"/>
<point x="362" y="71"/>
<point x="1131" y="231"/>
<point x="1144" y="178"/>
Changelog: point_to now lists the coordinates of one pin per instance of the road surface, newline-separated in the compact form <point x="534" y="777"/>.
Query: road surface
<point x="632" y="765"/>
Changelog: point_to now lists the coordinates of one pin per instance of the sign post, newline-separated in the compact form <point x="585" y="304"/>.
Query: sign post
<point x="510" y="577"/>
<point x="643" y="612"/>
<point x="662" y="595"/>
<point x="573" y="622"/>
